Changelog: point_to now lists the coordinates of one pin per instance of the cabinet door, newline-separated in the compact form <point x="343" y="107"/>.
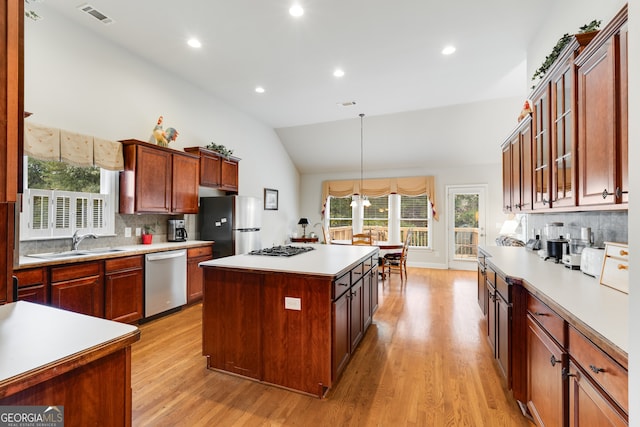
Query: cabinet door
<point x="374" y="291"/>
<point x="153" y="180"/>
<point x="184" y="187"/>
<point x="356" y="319"/>
<point x="507" y="175"/>
<point x="563" y="137"/>
<point x="483" y="298"/>
<point x="541" y="150"/>
<point x="503" y="334"/>
<point x="623" y="165"/>
<point x="195" y="275"/>
<point x="366" y="300"/>
<point x="491" y="317"/>
<point x="526" y="166"/>
<point x="341" y="325"/>
<point x="123" y="296"/>
<point x="84" y="295"/>
<point x="516" y="175"/>
<point x="229" y="175"/>
<point x="598" y="130"/>
<point x="587" y="405"/>
<point x="35" y="293"/>
<point x="545" y="397"/>
<point x="210" y="170"/>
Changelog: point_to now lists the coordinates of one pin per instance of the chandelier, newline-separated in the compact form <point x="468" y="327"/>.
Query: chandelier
<point x="361" y="198"/>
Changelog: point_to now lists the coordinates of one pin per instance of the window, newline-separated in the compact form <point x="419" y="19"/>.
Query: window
<point x="415" y="212"/>
<point x="61" y="199"/>
<point x="388" y="218"/>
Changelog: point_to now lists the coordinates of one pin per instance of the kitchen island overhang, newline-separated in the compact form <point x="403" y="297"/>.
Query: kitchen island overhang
<point x="293" y="321"/>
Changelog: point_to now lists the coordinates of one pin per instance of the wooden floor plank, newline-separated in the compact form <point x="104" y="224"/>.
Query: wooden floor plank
<point x="425" y="361"/>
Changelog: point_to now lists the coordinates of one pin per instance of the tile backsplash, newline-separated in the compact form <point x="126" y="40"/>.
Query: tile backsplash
<point x="159" y="222"/>
<point x="606" y="226"/>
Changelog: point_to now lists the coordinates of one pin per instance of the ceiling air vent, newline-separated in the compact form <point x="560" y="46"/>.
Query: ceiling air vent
<point x="87" y="8"/>
<point x="347" y="103"/>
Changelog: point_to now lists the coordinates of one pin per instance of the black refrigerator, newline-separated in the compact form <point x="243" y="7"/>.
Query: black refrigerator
<point x="232" y="222"/>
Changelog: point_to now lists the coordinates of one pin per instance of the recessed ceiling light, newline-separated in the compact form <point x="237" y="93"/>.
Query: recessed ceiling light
<point x="193" y="42"/>
<point x="448" y="50"/>
<point x="296" y="10"/>
<point x="338" y="73"/>
<point x="259" y="89"/>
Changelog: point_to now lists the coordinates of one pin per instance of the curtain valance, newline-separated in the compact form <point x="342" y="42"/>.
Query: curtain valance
<point x="48" y="143"/>
<point x="378" y="187"/>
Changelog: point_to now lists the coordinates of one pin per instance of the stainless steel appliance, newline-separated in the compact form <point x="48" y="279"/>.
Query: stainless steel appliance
<point x="176" y="230"/>
<point x="165" y="284"/>
<point x="232" y="222"/>
<point x="285" y="251"/>
<point x="555" y="243"/>
<point x="573" y="253"/>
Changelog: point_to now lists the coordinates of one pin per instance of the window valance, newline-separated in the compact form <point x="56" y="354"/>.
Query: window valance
<point x="378" y="187"/>
<point x="48" y="143"/>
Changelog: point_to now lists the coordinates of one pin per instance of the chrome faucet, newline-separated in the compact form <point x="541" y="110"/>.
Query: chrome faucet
<point x="77" y="238"/>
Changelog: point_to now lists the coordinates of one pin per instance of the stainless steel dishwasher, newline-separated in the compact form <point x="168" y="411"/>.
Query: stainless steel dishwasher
<point x="165" y="281"/>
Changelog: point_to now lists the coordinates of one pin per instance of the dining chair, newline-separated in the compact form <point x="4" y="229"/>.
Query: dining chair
<point x="398" y="260"/>
<point x="326" y="233"/>
<point x="362" y="239"/>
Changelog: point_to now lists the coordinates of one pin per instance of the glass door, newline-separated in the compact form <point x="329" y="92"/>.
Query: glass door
<point x="465" y="224"/>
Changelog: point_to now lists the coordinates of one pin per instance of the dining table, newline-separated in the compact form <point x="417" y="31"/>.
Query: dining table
<point x="381" y="244"/>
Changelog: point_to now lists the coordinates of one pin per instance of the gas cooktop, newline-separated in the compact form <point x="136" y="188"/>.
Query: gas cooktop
<point x="282" y="250"/>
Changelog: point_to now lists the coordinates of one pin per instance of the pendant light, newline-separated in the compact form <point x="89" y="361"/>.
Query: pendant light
<point x="361" y="197"/>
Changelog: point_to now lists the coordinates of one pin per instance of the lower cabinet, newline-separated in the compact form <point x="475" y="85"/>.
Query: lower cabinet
<point x="78" y="287"/>
<point x="588" y="405"/>
<point x="545" y="364"/>
<point x="356" y="320"/>
<point x="33" y="285"/>
<point x="195" y="275"/>
<point x="341" y="342"/>
<point x="123" y="287"/>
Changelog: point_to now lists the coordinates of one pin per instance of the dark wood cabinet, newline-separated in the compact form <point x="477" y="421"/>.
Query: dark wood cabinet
<point x="195" y="275"/>
<point x="341" y="342"/>
<point x="545" y="363"/>
<point x="517" y="169"/>
<point x="588" y="405"/>
<point x="541" y="151"/>
<point x="602" y="108"/>
<point x="123" y="287"/>
<point x="482" y="293"/>
<point x="33" y="285"/>
<point x="157" y="180"/>
<point x="490" y="280"/>
<point x="356" y="321"/>
<point x="78" y="287"/>
<point x="216" y="170"/>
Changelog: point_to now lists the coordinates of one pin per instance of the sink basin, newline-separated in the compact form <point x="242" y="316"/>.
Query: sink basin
<point x="75" y="254"/>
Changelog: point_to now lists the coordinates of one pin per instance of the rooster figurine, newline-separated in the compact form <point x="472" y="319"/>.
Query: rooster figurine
<point x="160" y="136"/>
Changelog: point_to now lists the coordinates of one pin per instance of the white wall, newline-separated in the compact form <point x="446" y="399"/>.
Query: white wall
<point x="76" y="81"/>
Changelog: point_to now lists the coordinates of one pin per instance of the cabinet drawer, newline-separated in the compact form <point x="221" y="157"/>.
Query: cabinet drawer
<point x="503" y="288"/>
<point x="368" y="263"/>
<point x="606" y="372"/>
<point x="341" y="284"/>
<point x="491" y="276"/>
<point x="75" y="271"/>
<point x="617" y="251"/>
<point x="29" y="277"/>
<point x="615" y="274"/>
<point x="357" y="272"/>
<point x="200" y="251"/>
<point x="125" y="263"/>
<point x="549" y="320"/>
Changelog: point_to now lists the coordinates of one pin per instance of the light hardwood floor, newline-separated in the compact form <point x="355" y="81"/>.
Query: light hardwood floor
<point x="424" y="362"/>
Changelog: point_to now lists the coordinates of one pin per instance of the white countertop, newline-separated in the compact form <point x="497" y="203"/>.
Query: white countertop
<point x="27" y="261"/>
<point x="325" y="260"/>
<point x="603" y="309"/>
<point x="34" y="335"/>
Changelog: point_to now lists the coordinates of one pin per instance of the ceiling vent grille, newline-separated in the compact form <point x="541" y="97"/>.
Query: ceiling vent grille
<point x="87" y="8"/>
<point x="347" y="103"/>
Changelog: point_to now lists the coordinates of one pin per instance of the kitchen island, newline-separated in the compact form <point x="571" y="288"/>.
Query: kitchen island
<point x="53" y="357"/>
<point x="291" y="321"/>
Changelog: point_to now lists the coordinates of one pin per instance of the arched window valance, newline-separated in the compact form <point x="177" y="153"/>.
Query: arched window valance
<point x="378" y="187"/>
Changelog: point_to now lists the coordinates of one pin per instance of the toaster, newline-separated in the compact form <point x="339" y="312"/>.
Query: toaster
<point x="591" y="261"/>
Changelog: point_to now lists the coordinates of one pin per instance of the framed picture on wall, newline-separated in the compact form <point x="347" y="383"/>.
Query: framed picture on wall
<point x="270" y="199"/>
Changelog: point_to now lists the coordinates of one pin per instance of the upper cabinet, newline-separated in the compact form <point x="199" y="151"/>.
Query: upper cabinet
<point x="602" y="122"/>
<point x="517" y="169"/>
<point x="216" y="170"/>
<point x="578" y="129"/>
<point x="158" y="180"/>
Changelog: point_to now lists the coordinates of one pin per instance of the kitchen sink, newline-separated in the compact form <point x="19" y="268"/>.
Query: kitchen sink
<point x="75" y="254"/>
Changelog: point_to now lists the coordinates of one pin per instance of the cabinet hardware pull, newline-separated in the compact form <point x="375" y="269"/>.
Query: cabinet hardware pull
<point x="343" y="284"/>
<point x="622" y="267"/>
<point x="566" y="373"/>
<point x="553" y="360"/>
<point x="623" y="252"/>
<point x="595" y="369"/>
<point x="606" y="194"/>
<point x="619" y="192"/>
<point x="539" y="313"/>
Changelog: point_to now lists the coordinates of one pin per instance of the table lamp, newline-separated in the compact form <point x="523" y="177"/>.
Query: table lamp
<point x="304" y="222"/>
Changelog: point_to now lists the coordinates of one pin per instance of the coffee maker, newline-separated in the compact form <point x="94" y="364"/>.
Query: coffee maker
<point x="176" y="231"/>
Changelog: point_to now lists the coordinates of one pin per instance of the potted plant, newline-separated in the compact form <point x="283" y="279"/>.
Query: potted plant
<point x="147" y="234"/>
